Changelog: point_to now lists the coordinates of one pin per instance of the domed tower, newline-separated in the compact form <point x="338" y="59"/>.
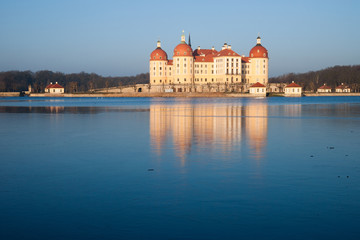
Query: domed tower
<point x="183" y="63"/>
<point x="158" y="63"/>
<point x="259" y="71"/>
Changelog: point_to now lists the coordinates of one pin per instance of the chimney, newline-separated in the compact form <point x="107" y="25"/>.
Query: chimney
<point x="50" y="82"/>
<point x="55" y="82"/>
<point x="242" y="55"/>
<point x="292" y="81"/>
<point x="225" y="46"/>
<point x="229" y="47"/>
<point x="198" y="48"/>
<point x="213" y="48"/>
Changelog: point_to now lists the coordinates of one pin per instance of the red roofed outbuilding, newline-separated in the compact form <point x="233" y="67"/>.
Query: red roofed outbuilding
<point x="54" y="88"/>
<point x="342" y="88"/>
<point x="324" y="89"/>
<point x="293" y="90"/>
<point x="258" y="89"/>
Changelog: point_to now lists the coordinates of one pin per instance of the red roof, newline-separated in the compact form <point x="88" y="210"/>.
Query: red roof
<point x="183" y="50"/>
<point x="258" y="52"/>
<point x="342" y="86"/>
<point x="204" y="55"/>
<point x="226" y="53"/>
<point x="158" y="54"/>
<point x="54" y="86"/>
<point x="245" y="60"/>
<point x="324" y="87"/>
<point x="205" y="52"/>
<point x="208" y="58"/>
<point x="257" y="85"/>
<point x="293" y="85"/>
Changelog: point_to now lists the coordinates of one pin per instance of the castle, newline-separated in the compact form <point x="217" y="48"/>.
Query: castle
<point x="207" y="70"/>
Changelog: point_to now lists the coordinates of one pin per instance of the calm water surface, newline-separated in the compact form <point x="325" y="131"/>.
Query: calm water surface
<point x="154" y="168"/>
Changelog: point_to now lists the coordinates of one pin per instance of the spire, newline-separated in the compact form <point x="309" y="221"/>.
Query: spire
<point x="189" y="40"/>
<point x="258" y="40"/>
<point x="183" y="37"/>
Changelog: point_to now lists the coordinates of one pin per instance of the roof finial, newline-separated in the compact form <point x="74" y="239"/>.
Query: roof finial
<point x="182" y="37"/>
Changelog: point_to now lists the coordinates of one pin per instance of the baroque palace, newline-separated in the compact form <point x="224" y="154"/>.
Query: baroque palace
<point x="208" y="70"/>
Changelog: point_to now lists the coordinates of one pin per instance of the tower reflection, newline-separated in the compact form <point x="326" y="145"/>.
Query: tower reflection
<point x="187" y="127"/>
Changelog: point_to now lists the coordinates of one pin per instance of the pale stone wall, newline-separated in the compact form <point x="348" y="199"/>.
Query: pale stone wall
<point x="258" y="91"/>
<point x="277" y="87"/>
<point x="258" y="71"/>
<point x="9" y="94"/>
<point x="345" y="90"/>
<point x="293" y="92"/>
<point x="324" y="90"/>
<point x="54" y="90"/>
<point x="158" y="72"/>
<point x="204" y="73"/>
<point x="183" y="67"/>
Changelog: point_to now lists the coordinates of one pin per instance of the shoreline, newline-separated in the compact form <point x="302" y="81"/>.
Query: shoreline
<point x="171" y="95"/>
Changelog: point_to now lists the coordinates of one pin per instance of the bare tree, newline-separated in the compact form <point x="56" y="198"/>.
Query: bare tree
<point x="209" y="86"/>
<point x="91" y="86"/>
<point x="107" y="85"/>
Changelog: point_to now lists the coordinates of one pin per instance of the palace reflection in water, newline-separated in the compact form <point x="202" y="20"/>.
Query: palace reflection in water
<point x="222" y="128"/>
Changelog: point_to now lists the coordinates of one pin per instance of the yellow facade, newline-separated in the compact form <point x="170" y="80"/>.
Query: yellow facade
<point x="208" y="69"/>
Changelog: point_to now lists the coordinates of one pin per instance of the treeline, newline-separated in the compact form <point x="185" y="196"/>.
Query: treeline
<point x="333" y="77"/>
<point x="17" y="81"/>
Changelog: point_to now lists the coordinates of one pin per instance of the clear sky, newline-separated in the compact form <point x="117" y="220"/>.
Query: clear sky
<point x="115" y="38"/>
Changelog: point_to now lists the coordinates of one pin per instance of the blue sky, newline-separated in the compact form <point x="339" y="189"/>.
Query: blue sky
<point x="115" y="38"/>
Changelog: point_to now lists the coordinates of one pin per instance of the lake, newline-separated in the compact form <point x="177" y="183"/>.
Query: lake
<point x="173" y="168"/>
